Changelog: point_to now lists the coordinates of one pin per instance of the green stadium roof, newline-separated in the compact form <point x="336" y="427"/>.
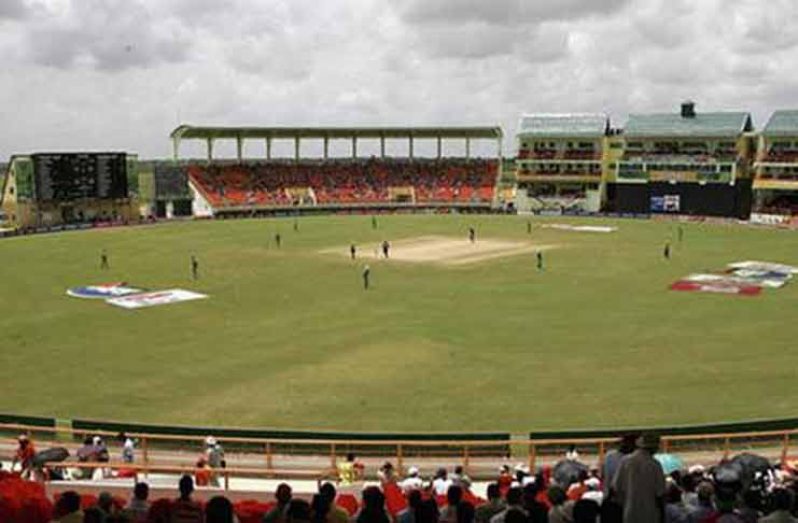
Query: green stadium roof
<point x="782" y="123"/>
<point x="564" y="125"/>
<point x="204" y="132"/>
<point x="674" y="125"/>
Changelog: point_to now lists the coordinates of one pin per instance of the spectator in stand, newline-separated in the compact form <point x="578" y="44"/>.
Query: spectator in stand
<point x="214" y="455"/>
<point x="386" y="473"/>
<point x="751" y="510"/>
<point x="138" y="506"/>
<point x="277" y="513"/>
<point x="202" y="473"/>
<point x="465" y="512"/>
<point x="639" y="483"/>
<point x="675" y="511"/>
<point x="297" y="511"/>
<point x="593" y="492"/>
<point x="494" y="505"/>
<point x="67" y="508"/>
<point x="335" y="514"/>
<point x="373" y="507"/>
<point x="726" y="510"/>
<point x="408" y="515"/>
<point x="220" y="510"/>
<point x="24" y="456"/>
<point x="704" y="506"/>
<point x="562" y="510"/>
<point x="626" y="446"/>
<point x="94" y="515"/>
<point x="688" y="482"/>
<point x="453" y="498"/>
<point x="105" y="502"/>
<point x="505" y="479"/>
<point x="460" y="478"/>
<point x="537" y="512"/>
<point x="347" y="470"/>
<point x="514" y="499"/>
<point x="128" y="448"/>
<point x="441" y="483"/>
<point x="427" y="512"/>
<point x="586" y="511"/>
<point x="782" y="503"/>
<point x="413" y="481"/>
<point x="185" y="509"/>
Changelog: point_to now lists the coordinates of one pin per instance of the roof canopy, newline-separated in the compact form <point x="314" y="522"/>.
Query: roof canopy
<point x="782" y="123"/>
<point x="564" y="125"/>
<point x="674" y="125"/>
<point x="204" y="132"/>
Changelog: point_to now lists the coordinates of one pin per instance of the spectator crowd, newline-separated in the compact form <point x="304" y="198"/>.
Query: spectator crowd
<point x="634" y="484"/>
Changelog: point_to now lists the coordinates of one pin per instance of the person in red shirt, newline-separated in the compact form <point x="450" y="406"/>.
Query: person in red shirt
<point x="24" y="455"/>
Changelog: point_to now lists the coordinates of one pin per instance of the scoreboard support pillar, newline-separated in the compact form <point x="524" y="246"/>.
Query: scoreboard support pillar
<point x="354" y="147"/>
<point x="268" y="148"/>
<point x="239" y="149"/>
<point x="440" y="147"/>
<point x="296" y="148"/>
<point x="326" y="147"/>
<point x="468" y="148"/>
<point x="382" y="146"/>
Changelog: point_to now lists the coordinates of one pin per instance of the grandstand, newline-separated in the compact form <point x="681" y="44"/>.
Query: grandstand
<point x="273" y="185"/>
<point x="776" y="183"/>
<point x="684" y="163"/>
<point x="559" y="163"/>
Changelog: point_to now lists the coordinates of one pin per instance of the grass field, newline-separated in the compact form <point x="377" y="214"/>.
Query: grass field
<point x="289" y="339"/>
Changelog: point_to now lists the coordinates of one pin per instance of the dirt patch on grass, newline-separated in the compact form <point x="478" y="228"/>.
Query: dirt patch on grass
<point x="445" y="250"/>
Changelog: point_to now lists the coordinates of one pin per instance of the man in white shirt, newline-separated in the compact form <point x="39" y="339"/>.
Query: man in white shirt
<point x="441" y="483"/>
<point x="412" y="481"/>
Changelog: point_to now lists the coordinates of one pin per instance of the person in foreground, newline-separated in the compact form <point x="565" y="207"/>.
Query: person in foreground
<point x="639" y="483"/>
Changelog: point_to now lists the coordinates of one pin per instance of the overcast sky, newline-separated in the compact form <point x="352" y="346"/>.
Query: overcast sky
<point x="120" y="74"/>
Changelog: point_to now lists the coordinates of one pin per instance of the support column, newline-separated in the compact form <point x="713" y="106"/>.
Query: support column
<point x="382" y="147"/>
<point x="354" y="147"/>
<point x="269" y="148"/>
<point x="440" y="147"/>
<point x="411" y="147"/>
<point x="499" y="147"/>
<point x="209" y="142"/>
<point x="296" y="148"/>
<point x="239" y="148"/>
<point x="176" y="149"/>
<point x="326" y="147"/>
<point x="468" y="148"/>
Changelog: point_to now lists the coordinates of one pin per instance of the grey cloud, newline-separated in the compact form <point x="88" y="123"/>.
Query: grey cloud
<point x="12" y="9"/>
<point x="107" y="35"/>
<point x="503" y="12"/>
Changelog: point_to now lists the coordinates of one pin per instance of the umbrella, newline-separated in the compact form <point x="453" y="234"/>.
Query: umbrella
<point x="728" y="473"/>
<point x="569" y="471"/>
<point x="670" y="462"/>
<point x="749" y="465"/>
<point x="50" y="455"/>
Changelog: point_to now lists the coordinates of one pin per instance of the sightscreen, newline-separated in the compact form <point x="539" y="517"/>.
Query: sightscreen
<point x="76" y="176"/>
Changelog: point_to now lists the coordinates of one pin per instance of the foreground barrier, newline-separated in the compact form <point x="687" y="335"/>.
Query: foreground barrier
<point x="317" y="458"/>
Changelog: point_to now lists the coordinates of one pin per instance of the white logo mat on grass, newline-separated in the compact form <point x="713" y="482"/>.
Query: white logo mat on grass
<point x="103" y="291"/>
<point x="151" y="299"/>
<point x="764" y="266"/>
<point x="580" y="228"/>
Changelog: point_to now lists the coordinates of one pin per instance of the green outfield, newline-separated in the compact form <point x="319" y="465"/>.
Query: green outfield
<point x="289" y="338"/>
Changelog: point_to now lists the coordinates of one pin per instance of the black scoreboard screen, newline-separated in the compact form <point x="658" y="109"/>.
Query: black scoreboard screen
<point x="75" y="176"/>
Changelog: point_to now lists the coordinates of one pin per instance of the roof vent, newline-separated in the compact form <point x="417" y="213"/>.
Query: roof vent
<point x="688" y="109"/>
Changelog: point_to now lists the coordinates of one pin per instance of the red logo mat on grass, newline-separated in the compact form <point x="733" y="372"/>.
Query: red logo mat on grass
<point x="717" y="284"/>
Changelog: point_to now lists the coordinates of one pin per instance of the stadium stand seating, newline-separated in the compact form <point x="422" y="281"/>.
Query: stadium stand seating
<point x="697" y="494"/>
<point x="282" y="183"/>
